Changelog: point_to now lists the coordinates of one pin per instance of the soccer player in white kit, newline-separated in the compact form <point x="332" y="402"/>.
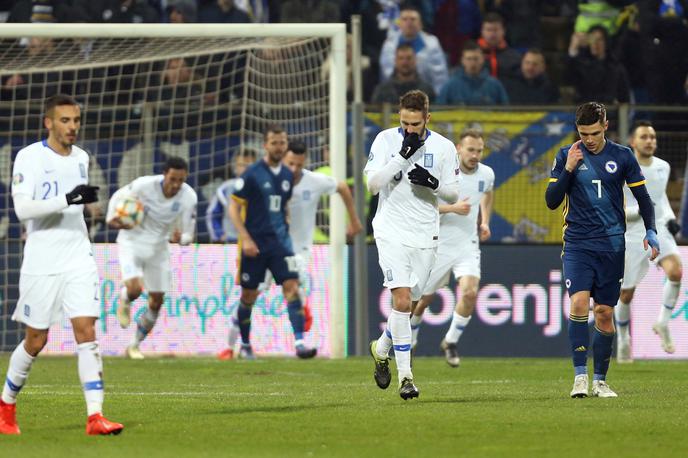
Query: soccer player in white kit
<point x="411" y="168"/>
<point x="144" y="253"/>
<point x="308" y="188"/>
<point x="460" y="237"/>
<point x="656" y="172"/>
<point x="58" y="272"/>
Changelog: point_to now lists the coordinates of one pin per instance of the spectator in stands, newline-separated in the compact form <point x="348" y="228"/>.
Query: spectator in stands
<point x="181" y="11"/>
<point x="501" y="60"/>
<point x="368" y="77"/>
<point x="432" y="65"/>
<point x="591" y="69"/>
<point x="405" y="78"/>
<point x="531" y="86"/>
<point x="309" y="11"/>
<point x="599" y="13"/>
<point x="663" y="47"/>
<point x="523" y="20"/>
<point x="40" y="11"/>
<point x="455" y="22"/>
<point x="258" y="10"/>
<point x="36" y="86"/>
<point x="113" y="11"/>
<point x="472" y="83"/>
<point x="222" y="11"/>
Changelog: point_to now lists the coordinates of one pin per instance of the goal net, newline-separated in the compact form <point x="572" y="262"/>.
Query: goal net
<point x="202" y="92"/>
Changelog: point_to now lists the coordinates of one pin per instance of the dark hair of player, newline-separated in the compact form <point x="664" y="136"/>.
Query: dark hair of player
<point x="415" y="100"/>
<point x="590" y="113"/>
<point x="470" y="45"/>
<point x="640" y="123"/>
<point x="272" y="129"/>
<point x="58" y="100"/>
<point x="175" y="162"/>
<point x="405" y="47"/>
<point x="406" y="6"/>
<point x="297" y="147"/>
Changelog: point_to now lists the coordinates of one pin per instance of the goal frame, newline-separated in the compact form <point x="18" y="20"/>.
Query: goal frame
<point x="337" y="116"/>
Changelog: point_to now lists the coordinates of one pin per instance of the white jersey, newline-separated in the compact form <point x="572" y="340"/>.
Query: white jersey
<point x="57" y="242"/>
<point x="162" y="213"/>
<point x="406" y="213"/>
<point x="656" y="179"/>
<point x="472" y="186"/>
<point x="303" y="206"/>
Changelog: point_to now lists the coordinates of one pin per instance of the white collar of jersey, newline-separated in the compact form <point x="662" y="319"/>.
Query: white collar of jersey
<point x="276" y="169"/>
<point x="45" y="143"/>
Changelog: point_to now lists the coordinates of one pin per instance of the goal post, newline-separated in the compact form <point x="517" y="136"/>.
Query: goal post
<point x="244" y="76"/>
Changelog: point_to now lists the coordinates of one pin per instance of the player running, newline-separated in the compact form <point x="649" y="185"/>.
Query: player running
<point x="459" y="246"/>
<point x="656" y="172"/>
<point x="144" y="253"/>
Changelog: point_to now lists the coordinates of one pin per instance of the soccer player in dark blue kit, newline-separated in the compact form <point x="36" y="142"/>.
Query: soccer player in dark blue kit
<point x="589" y="177"/>
<point x="261" y="194"/>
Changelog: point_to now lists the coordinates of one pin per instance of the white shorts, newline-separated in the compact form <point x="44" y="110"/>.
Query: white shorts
<point x="152" y="263"/>
<point x="461" y="259"/>
<point x="43" y="298"/>
<point x="637" y="259"/>
<point x="404" y="266"/>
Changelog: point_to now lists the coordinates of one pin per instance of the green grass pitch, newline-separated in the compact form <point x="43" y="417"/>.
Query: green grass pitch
<point x="288" y="407"/>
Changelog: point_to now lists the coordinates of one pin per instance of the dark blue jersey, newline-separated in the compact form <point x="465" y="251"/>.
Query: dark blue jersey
<point x="594" y="216"/>
<point x="264" y="196"/>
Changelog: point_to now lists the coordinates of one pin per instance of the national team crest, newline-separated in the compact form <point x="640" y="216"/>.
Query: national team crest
<point x="82" y="170"/>
<point x="27" y="310"/>
<point x="306" y="195"/>
<point x="175" y="207"/>
<point x="285" y="186"/>
<point x="17" y="179"/>
<point x="611" y="167"/>
<point x="427" y="160"/>
<point x="389" y="275"/>
<point x="481" y="186"/>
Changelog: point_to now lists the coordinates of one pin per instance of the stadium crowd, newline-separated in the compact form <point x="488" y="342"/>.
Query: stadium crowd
<point x="462" y="52"/>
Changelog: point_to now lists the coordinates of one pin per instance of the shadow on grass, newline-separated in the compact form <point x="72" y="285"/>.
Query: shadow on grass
<point x="273" y="409"/>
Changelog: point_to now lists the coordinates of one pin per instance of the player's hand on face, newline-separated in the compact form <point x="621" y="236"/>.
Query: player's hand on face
<point x="574" y="156"/>
<point x="651" y="240"/>
<point x="462" y="207"/>
<point x="485" y="232"/>
<point x="249" y="248"/>
<point x="411" y="144"/>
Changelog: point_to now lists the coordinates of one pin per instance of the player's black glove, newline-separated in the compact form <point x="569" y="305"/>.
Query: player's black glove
<point x="82" y="194"/>
<point x="412" y="143"/>
<point x="421" y="177"/>
<point x="673" y="226"/>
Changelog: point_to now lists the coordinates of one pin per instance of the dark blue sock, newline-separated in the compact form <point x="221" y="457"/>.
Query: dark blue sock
<point x="244" y="316"/>
<point x="296" y="317"/>
<point x="579" y="338"/>
<point x="602" y="352"/>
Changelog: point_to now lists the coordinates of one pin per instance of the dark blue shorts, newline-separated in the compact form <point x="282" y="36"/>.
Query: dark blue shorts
<point x="600" y="272"/>
<point x="280" y="262"/>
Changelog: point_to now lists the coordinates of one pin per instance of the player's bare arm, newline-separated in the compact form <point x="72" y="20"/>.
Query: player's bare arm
<point x="460" y="207"/>
<point x="354" y="226"/>
<point x="248" y="246"/>
<point x="486" y="204"/>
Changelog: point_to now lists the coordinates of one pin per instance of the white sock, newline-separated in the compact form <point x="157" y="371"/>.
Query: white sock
<point x="124" y="296"/>
<point x="456" y="328"/>
<point x="416" y="320"/>
<point x="622" y="314"/>
<point x="234" y="330"/>
<point x="384" y="343"/>
<point x="669" y="298"/>
<point x="144" y="325"/>
<point x="400" y="325"/>
<point x="91" y="376"/>
<point x="17" y="373"/>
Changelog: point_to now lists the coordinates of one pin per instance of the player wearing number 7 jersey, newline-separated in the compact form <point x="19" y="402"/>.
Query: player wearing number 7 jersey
<point x="258" y="210"/>
<point x="588" y="177"/>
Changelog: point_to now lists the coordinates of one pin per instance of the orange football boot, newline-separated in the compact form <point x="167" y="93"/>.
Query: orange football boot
<point x="99" y="425"/>
<point x="8" y="419"/>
